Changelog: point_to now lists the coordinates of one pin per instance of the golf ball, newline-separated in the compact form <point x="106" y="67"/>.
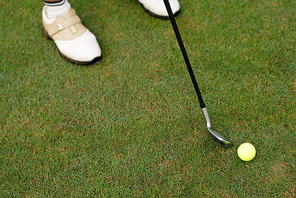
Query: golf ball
<point x="246" y="152"/>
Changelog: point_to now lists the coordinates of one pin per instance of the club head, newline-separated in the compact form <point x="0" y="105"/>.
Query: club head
<point x="219" y="138"/>
<point x="215" y="135"/>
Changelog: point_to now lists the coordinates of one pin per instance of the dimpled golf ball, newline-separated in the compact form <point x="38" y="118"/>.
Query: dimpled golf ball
<point x="246" y="152"/>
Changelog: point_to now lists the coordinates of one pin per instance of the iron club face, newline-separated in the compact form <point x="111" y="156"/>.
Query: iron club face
<point x="220" y="139"/>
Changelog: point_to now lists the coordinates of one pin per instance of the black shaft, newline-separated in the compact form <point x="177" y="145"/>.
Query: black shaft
<point x="177" y="33"/>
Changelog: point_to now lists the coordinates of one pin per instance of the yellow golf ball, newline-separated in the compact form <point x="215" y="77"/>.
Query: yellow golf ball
<point x="246" y="152"/>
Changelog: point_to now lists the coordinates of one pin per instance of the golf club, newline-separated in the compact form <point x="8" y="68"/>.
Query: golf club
<point x="215" y="135"/>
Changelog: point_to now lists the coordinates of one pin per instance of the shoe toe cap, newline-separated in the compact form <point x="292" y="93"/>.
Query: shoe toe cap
<point x="84" y="48"/>
<point x="162" y="9"/>
<point x="159" y="8"/>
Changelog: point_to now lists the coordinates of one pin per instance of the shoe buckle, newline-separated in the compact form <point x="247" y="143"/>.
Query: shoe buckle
<point x="59" y="26"/>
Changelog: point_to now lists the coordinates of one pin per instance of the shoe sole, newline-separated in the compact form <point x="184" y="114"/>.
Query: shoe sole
<point x="95" y="60"/>
<point x="159" y="16"/>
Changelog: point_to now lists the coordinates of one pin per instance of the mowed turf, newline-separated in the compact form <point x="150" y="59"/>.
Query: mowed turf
<point x="130" y="125"/>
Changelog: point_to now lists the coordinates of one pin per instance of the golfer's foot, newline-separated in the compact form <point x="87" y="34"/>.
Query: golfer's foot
<point x="157" y="8"/>
<point x="74" y="41"/>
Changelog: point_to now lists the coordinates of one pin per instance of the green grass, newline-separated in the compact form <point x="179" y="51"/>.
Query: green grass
<point x="131" y="126"/>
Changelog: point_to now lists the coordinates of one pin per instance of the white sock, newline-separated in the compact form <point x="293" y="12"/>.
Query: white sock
<point x="56" y="8"/>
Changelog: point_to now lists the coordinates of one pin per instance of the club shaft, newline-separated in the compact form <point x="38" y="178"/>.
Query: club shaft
<point x="215" y="135"/>
<point x="179" y="38"/>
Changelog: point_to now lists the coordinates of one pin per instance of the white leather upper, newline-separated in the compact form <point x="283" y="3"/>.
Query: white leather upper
<point x="157" y="6"/>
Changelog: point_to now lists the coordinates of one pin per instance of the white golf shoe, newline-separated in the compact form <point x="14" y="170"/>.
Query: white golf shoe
<point x="74" y="41"/>
<point x="157" y="8"/>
